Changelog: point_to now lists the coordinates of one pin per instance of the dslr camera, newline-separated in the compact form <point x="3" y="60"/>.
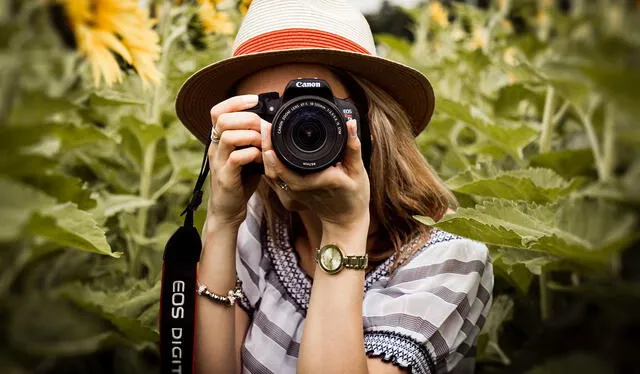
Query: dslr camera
<point x="309" y="125"/>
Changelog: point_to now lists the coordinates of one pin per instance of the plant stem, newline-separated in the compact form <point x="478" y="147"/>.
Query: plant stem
<point x="545" y="296"/>
<point x="503" y="357"/>
<point x="558" y="116"/>
<point x="145" y="192"/>
<point x="453" y="139"/>
<point x="608" y="157"/>
<point x="593" y="141"/>
<point x="154" y="113"/>
<point x="493" y="22"/>
<point x="547" y="120"/>
<point x="165" y="187"/>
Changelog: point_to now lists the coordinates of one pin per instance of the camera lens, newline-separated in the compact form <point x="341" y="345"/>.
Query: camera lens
<point x="308" y="135"/>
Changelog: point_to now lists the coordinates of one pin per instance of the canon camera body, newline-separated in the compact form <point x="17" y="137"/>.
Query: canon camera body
<point x="309" y="131"/>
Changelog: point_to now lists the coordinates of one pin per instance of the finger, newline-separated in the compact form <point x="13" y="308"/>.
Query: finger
<point x="265" y="130"/>
<point x="270" y="165"/>
<point x="232" y="104"/>
<point x="231" y="139"/>
<point x="238" y="121"/>
<point x="230" y="171"/>
<point x="329" y="178"/>
<point x="353" y="153"/>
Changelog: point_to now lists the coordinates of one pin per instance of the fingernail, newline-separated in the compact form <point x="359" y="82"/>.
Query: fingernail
<point x="251" y="99"/>
<point x="353" y="128"/>
<point x="271" y="158"/>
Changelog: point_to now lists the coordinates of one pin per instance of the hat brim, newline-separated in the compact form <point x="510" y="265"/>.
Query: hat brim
<point x="211" y="84"/>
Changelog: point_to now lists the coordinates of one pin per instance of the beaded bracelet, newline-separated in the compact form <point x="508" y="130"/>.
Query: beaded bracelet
<point x="228" y="300"/>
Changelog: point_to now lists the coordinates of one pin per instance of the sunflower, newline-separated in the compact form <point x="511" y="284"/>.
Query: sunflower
<point x="213" y="20"/>
<point x="438" y="13"/>
<point x="103" y="28"/>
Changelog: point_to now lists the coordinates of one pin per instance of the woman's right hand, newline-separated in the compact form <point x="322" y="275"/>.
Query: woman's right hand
<point x="230" y="189"/>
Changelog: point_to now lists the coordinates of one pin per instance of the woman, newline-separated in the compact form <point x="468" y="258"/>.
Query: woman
<point x="421" y="300"/>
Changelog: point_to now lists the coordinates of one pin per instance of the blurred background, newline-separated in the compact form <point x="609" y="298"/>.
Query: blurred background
<point x="536" y="131"/>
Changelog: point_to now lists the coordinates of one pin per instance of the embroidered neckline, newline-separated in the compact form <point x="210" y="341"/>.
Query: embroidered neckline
<point x="298" y="283"/>
<point x="291" y="275"/>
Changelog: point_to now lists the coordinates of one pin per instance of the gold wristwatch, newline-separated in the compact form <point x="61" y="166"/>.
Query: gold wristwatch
<point x="332" y="259"/>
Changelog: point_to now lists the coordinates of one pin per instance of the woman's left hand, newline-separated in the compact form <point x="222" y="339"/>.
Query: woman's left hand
<point x="339" y="194"/>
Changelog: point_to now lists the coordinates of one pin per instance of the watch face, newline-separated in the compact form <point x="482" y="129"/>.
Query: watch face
<point x="330" y="258"/>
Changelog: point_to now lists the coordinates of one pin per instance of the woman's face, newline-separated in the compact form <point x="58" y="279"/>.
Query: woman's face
<point x="276" y="79"/>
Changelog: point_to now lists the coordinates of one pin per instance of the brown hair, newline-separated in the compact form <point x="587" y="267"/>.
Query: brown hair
<point x="402" y="182"/>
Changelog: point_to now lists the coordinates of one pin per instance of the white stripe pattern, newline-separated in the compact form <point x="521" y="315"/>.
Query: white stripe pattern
<point x="426" y="316"/>
<point x="334" y="16"/>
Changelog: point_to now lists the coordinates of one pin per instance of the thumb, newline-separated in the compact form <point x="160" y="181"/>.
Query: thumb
<point x="353" y="153"/>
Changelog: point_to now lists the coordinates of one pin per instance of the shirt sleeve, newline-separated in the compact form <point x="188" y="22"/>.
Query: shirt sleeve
<point x="249" y="255"/>
<point x="427" y="315"/>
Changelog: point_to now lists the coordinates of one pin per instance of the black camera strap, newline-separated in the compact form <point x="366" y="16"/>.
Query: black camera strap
<point x="179" y="282"/>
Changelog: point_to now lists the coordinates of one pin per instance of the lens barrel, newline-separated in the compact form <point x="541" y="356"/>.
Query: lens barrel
<point x="309" y="134"/>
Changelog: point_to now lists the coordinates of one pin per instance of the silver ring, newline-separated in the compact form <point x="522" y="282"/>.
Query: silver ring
<point x="282" y="185"/>
<point x="215" y="136"/>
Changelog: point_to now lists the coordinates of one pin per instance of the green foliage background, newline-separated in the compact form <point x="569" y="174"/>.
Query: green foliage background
<point x="535" y="131"/>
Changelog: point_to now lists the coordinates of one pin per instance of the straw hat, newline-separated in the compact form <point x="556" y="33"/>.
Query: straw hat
<point x="328" y="32"/>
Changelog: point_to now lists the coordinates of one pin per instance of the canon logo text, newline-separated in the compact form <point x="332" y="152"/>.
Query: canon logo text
<point x="307" y="84"/>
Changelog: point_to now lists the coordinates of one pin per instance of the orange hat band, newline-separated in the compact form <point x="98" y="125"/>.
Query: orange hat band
<point x="296" y="39"/>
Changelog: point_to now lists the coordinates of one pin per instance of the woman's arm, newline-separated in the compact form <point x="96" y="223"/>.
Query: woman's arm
<point x="333" y="336"/>
<point x="237" y="138"/>
<point x="216" y="325"/>
<point x="332" y="339"/>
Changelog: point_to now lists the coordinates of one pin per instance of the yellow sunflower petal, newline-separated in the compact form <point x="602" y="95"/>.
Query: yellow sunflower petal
<point x="110" y="41"/>
<point x="121" y="26"/>
<point x="103" y="63"/>
<point x="213" y="20"/>
<point x="78" y="11"/>
<point x="438" y="13"/>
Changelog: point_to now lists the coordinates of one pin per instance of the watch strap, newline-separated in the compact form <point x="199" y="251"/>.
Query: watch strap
<point x="356" y="262"/>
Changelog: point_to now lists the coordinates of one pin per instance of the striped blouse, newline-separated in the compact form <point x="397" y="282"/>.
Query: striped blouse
<point x="425" y="317"/>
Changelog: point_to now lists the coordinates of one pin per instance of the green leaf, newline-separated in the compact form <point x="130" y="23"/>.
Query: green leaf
<point x="72" y="137"/>
<point x="17" y="202"/>
<point x="37" y="107"/>
<point x="535" y="262"/>
<point x="42" y="325"/>
<point x="63" y="187"/>
<point x="20" y="165"/>
<point x="568" y="81"/>
<point x="511" y="97"/>
<point x="109" y="307"/>
<point x="585" y="231"/>
<point x="14" y="139"/>
<point x="110" y="205"/>
<point x="116" y="175"/>
<point x="511" y="138"/>
<point x="568" y="163"/>
<point x="488" y="341"/>
<point x="67" y="225"/>
<point x="533" y="184"/>
<point x="515" y="274"/>
<point x="146" y="134"/>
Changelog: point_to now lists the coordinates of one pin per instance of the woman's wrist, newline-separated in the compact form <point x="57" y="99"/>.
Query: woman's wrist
<point x="216" y="223"/>
<point x="350" y="236"/>
<point x="221" y="230"/>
